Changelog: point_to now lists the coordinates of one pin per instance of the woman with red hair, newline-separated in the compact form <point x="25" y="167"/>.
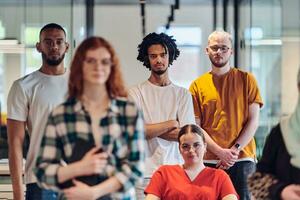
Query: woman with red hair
<point x="96" y="113"/>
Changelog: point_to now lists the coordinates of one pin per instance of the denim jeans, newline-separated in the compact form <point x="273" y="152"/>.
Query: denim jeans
<point x="238" y="174"/>
<point x="34" y="192"/>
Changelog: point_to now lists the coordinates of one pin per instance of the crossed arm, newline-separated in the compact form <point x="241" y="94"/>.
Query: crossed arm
<point x="167" y="130"/>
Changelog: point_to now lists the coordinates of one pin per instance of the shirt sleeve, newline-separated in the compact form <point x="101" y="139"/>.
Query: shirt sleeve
<point x="253" y="91"/>
<point x="156" y="185"/>
<point x="195" y="98"/>
<point x="131" y="167"/>
<point x="185" y="113"/>
<point x="226" y="186"/>
<point x="133" y="96"/>
<point x="17" y="103"/>
<point x="49" y="157"/>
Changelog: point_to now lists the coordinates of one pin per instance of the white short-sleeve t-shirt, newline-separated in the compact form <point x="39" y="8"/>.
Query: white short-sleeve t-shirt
<point x="161" y="104"/>
<point x="30" y="100"/>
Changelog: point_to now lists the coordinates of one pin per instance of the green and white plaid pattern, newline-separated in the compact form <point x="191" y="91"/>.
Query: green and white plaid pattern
<point x="122" y="137"/>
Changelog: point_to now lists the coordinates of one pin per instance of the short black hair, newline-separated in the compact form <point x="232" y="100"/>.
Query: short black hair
<point x="52" y="26"/>
<point x="153" y="38"/>
<point x="191" y="128"/>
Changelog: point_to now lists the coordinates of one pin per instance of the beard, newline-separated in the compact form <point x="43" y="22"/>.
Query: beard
<point x="160" y="72"/>
<point x="53" y="62"/>
<point x="218" y="64"/>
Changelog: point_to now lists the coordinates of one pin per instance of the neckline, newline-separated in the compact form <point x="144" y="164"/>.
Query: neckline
<point x="52" y="76"/>
<point x="162" y="87"/>
<point x="222" y="75"/>
<point x="187" y="176"/>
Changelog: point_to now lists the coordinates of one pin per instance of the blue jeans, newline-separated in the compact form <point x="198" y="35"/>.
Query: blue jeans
<point x="34" y="192"/>
<point x="239" y="173"/>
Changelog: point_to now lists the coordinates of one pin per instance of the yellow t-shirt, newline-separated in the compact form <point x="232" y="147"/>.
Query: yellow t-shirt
<point x="222" y="105"/>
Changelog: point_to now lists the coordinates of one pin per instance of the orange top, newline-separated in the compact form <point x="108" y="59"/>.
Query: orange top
<point x="171" y="182"/>
<point x="222" y="105"/>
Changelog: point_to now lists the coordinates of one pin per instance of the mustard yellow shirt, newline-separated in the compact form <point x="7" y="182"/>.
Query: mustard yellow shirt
<point x="222" y="105"/>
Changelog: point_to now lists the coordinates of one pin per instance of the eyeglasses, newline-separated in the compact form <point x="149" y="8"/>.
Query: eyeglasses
<point x="186" y="147"/>
<point x="94" y="62"/>
<point x="223" y="49"/>
<point x="51" y="43"/>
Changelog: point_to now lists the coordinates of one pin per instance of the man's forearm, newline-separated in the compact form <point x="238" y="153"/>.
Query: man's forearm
<point x="16" y="134"/>
<point x="157" y="129"/>
<point x="171" y="135"/>
<point x="15" y="167"/>
<point x="250" y="127"/>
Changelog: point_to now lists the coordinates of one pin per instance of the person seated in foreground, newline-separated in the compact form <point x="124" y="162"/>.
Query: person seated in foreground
<point x="192" y="180"/>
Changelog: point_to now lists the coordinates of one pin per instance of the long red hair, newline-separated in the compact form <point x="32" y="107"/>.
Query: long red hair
<point x="114" y="85"/>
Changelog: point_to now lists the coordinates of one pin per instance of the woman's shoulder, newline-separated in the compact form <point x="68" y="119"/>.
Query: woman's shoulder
<point x="169" y="168"/>
<point x="215" y="172"/>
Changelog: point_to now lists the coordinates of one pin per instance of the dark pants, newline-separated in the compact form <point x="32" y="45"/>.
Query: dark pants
<point x="239" y="173"/>
<point x="34" y="192"/>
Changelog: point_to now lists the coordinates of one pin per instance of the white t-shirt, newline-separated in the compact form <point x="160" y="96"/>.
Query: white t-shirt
<point x="31" y="99"/>
<point x="161" y="104"/>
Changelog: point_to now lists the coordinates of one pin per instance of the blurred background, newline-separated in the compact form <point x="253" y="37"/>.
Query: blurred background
<point x="266" y="42"/>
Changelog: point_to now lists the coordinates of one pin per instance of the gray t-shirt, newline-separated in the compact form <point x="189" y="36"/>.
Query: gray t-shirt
<point x="30" y="100"/>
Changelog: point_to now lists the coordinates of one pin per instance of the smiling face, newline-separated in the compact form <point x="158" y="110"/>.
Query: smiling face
<point x="158" y="59"/>
<point x="97" y="66"/>
<point x="52" y="46"/>
<point x="219" y="49"/>
<point x="192" y="148"/>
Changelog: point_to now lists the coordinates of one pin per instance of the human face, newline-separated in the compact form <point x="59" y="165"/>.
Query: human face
<point x="219" y="50"/>
<point x="52" y="46"/>
<point x="158" y="58"/>
<point x="192" y="148"/>
<point x="97" y="66"/>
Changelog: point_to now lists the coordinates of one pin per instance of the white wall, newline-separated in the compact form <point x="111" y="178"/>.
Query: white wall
<point x="121" y="25"/>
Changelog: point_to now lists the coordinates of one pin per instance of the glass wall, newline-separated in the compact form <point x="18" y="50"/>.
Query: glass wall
<point x="20" y="23"/>
<point x="19" y="35"/>
<point x="269" y="46"/>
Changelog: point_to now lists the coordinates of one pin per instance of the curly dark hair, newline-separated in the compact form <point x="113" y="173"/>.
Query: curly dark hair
<point x="153" y="38"/>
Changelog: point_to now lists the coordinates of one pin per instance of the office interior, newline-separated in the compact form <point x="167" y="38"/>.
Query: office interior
<point x="266" y="37"/>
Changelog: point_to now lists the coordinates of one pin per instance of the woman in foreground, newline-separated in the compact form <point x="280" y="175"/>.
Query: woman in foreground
<point x="192" y="180"/>
<point x="96" y="113"/>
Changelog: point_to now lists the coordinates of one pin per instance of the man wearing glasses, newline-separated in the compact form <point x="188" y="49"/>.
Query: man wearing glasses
<point x="226" y="104"/>
<point x="30" y="101"/>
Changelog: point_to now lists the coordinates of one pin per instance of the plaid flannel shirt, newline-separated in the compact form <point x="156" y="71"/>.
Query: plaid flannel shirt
<point x="122" y="135"/>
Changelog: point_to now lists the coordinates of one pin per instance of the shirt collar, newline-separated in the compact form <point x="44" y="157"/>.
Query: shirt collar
<point x="112" y="107"/>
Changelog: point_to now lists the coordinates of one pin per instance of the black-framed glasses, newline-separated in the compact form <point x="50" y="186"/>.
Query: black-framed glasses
<point x="186" y="147"/>
<point x="223" y="49"/>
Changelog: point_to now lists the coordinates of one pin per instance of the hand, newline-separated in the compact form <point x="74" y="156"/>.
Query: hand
<point x="93" y="162"/>
<point x="171" y="135"/>
<point x="227" y="158"/>
<point x="173" y="124"/>
<point x="79" y="191"/>
<point x="291" y="192"/>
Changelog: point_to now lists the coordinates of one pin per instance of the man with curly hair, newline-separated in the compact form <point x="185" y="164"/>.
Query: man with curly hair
<point x="166" y="106"/>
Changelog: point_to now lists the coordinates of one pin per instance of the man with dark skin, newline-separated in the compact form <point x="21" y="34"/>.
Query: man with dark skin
<point x="30" y="100"/>
<point x="166" y="106"/>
